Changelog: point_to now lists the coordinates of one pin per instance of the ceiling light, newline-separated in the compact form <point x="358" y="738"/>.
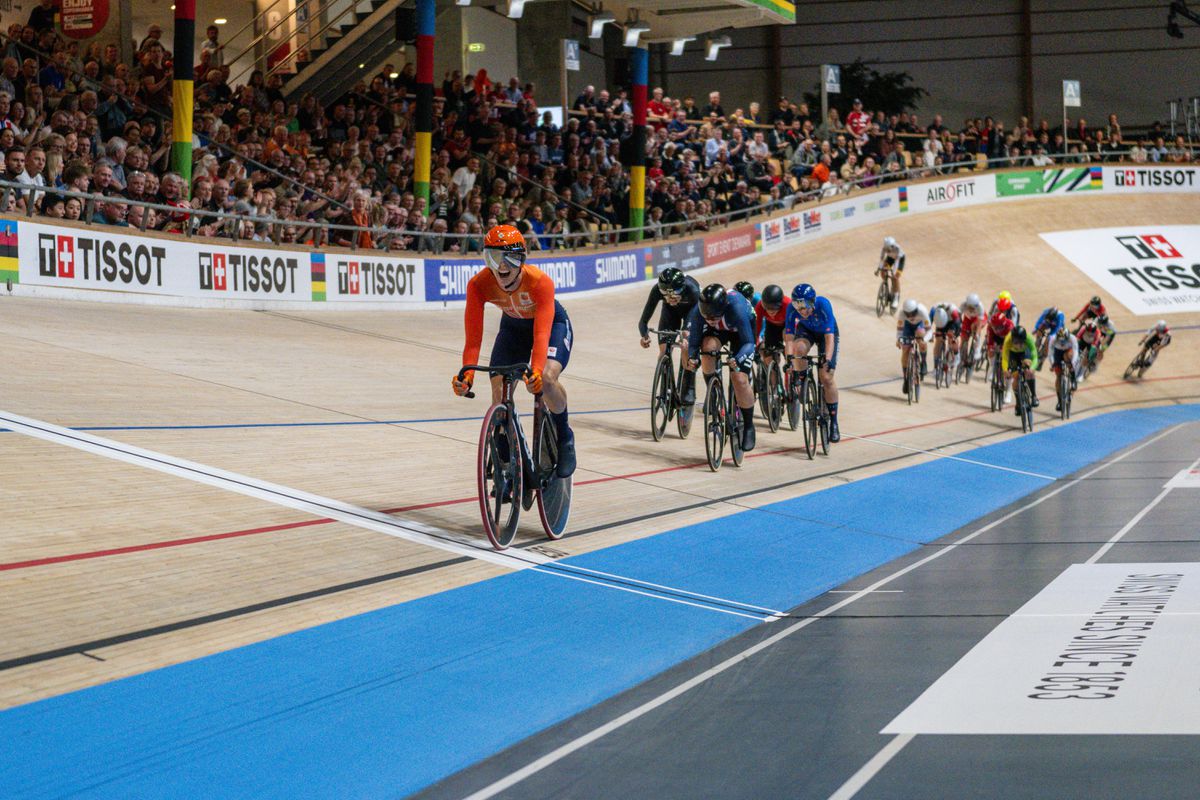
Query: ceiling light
<point x="516" y="8"/>
<point x="677" y="45"/>
<point x="714" y="47"/>
<point x="598" y="23"/>
<point x="362" y="66"/>
<point x="632" y="32"/>
<point x="463" y="2"/>
<point x="220" y="21"/>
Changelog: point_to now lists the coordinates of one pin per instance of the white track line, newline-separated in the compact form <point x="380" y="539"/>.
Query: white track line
<point x="379" y="522"/>
<point x="409" y="530"/>
<point x="946" y="455"/>
<point x="892" y="748"/>
<point x="1133" y="522"/>
<point x="561" y="752"/>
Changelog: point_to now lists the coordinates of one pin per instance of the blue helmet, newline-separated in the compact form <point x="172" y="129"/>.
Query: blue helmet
<point x="804" y="294"/>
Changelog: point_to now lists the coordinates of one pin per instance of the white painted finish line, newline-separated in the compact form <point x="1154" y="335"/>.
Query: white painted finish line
<point x="1104" y="649"/>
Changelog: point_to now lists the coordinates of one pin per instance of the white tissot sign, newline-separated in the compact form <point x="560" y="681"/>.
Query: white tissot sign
<point x="1104" y="649"/>
<point x="1150" y="269"/>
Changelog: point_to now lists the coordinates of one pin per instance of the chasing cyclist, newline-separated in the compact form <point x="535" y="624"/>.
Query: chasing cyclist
<point x="746" y="290"/>
<point x="534" y="329"/>
<point x="1107" y="334"/>
<point x="1004" y="304"/>
<point x="910" y="330"/>
<point x="679" y="294"/>
<point x="1020" y="351"/>
<point x="947" y="329"/>
<point x="891" y="263"/>
<point x="725" y="318"/>
<point x="1064" y="354"/>
<point x="974" y="320"/>
<point x="810" y="320"/>
<point x="1093" y="309"/>
<point x="999" y="326"/>
<point x="770" y="315"/>
<point x="1048" y="324"/>
<point x="1155" y="339"/>
<point x="1090" y="338"/>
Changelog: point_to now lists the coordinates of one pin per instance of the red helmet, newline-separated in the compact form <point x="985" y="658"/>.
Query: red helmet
<point x="999" y="320"/>
<point x="1004" y="304"/>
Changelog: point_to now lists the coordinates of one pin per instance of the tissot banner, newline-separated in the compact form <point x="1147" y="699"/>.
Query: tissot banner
<point x="1150" y="269"/>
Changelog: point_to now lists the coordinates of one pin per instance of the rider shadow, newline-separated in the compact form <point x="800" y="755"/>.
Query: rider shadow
<point x="617" y="429"/>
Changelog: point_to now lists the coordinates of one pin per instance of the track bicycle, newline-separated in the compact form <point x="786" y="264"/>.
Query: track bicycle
<point x="966" y="359"/>
<point x="1089" y="361"/>
<point x="912" y="369"/>
<point x="815" y="411"/>
<point x="998" y="386"/>
<point x="942" y="367"/>
<point x="774" y="393"/>
<point x="722" y="417"/>
<point x="884" y="297"/>
<point x="508" y="473"/>
<point x="1065" y="389"/>
<point x="1141" y="362"/>
<point x="1024" y="398"/>
<point x="666" y="392"/>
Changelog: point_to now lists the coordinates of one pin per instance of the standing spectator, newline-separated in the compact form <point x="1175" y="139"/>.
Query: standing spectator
<point x="42" y="17"/>
<point x="155" y="89"/>
<point x="714" y="108"/>
<point x="857" y="122"/>
<point x="214" y="49"/>
<point x="35" y="162"/>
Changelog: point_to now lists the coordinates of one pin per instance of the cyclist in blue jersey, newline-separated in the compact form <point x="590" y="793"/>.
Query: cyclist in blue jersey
<point x="726" y="318"/>
<point x="810" y="320"/>
<point x="1050" y="321"/>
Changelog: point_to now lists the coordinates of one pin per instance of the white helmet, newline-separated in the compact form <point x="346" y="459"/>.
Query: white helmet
<point x="1161" y="326"/>
<point x="940" y="317"/>
<point x="889" y="241"/>
<point x="910" y="307"/>
<point x="1063" y="332"/>
<point x="972" y="301"/>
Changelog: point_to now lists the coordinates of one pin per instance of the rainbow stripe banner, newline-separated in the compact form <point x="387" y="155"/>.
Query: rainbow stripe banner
<point x="10" y="270"/>
<point x="318" y="277"/>
<point x="903" y="199"/>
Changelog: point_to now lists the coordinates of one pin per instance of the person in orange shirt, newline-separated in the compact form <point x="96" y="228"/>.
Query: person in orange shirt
<point x="535" y="328"/>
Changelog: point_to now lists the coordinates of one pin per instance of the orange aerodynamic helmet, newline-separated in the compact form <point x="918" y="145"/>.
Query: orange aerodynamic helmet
<point x="504" y="253"/>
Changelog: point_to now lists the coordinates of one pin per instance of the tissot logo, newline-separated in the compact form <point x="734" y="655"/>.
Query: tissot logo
<point x="1149" y="246"/>
<point x="265" y="274"/>
<point x="101" y="260"/>
<point x="377" y="278"/>
<point x="1155" y="177"/>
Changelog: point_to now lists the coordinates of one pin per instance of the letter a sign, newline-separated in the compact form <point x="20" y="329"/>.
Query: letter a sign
<point x="833" y="78"/>
<point x="1071" y="93"/>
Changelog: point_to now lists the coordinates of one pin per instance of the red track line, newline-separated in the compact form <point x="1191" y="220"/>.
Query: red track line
<point x="40" y="562"/>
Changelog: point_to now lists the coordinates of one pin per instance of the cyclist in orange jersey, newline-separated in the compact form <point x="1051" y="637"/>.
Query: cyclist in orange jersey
<point x="534" y="329"/>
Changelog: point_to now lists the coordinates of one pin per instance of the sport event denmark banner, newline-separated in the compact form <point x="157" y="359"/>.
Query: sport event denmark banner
<point x="1150" y="269"/>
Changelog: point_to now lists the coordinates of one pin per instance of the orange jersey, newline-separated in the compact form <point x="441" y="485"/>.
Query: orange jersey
<point x="532" y="299"/>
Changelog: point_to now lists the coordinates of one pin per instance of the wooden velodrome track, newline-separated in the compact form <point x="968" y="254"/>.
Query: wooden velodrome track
<point x="109" y="569"/>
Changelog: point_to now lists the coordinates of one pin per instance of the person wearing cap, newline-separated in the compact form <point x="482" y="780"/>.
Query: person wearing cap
<point x="857" y="121"/>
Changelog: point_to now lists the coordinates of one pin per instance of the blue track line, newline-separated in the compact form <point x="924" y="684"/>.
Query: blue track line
<point x="385" y="703"/>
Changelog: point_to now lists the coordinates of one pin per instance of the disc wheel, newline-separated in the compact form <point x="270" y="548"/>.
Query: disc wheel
<point x="553" y="492"/>
<point x="882" y="299"/>
<point x="736" y="425"/>
<point x="714" y="424"/>
<point x="794" y="404"/>
<point x="499" y="477"/>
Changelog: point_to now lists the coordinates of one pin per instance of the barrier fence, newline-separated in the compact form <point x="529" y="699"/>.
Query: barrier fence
<point x="39" y="256"/>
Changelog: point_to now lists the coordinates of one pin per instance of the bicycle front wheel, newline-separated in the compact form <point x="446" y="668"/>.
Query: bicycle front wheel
<point x="499" y="473"/>
<point x="553" y="492"/>
<point x="714" y="423"/>
<point x="810" y="417"/>
<point x="882" y="299"/>
<point x="794" y="402"/>
<point x="736" y="423"/>
<point x="774" y="398"/>
<point x="661" y="396"/>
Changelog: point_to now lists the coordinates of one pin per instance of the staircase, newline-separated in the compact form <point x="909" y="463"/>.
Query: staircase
<point x="351" y="49"/>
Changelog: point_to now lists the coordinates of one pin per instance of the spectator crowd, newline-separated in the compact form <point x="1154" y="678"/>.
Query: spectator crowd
<point x="82" y="120"/>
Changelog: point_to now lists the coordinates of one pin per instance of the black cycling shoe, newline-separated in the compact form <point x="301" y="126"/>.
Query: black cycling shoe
<point x="905" y="389"/>
<point x="1036" y="402"/>
<point x="748" y="438"/>
<point x="566" y="458"/>
<point x="834" y="434"/>
<point x="1058" y="406"/>
<point x="689" y="395"/>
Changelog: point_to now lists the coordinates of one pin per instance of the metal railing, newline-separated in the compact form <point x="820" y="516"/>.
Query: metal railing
<point x="322" y="234"/>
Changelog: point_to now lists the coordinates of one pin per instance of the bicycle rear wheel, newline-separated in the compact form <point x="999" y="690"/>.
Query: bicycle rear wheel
<point x="823" y="421"/>
<point x="736" y="424"/>
<point x="774" y="397"/>
<point x="714" y="423"/>
<point x="1026" y="406"/>
<point x="1064" y="395"/>
<point x="810" y="417"/>
<point x="553" y="492"/>
<point x="661" y="397"/>
<point x="499" y="473"/>
<point x="683" y="415"/>
<point x="882" y="299"/>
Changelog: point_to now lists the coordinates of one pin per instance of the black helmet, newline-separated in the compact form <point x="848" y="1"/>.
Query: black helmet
<point x="671" y="280"/>
<point x="772" y="296"/>
<point x="1096" y="301"/>
<point x="745" y="289"/>
<point x="1019" y="333"/>
<point x="713" y="301"/>
<point x="1104" y="319"/>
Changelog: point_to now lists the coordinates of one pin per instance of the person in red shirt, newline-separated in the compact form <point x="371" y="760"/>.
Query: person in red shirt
<point x="535" y="328"/>
<point x="999" y="326"/>
<point x="770" y="315"/>
<point x="660" y="113"/>
<point x="1093" y="310"/>
<point x="857" y="121"/>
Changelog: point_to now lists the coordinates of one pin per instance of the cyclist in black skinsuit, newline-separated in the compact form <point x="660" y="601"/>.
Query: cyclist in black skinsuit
<point x="679" y="294"/>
